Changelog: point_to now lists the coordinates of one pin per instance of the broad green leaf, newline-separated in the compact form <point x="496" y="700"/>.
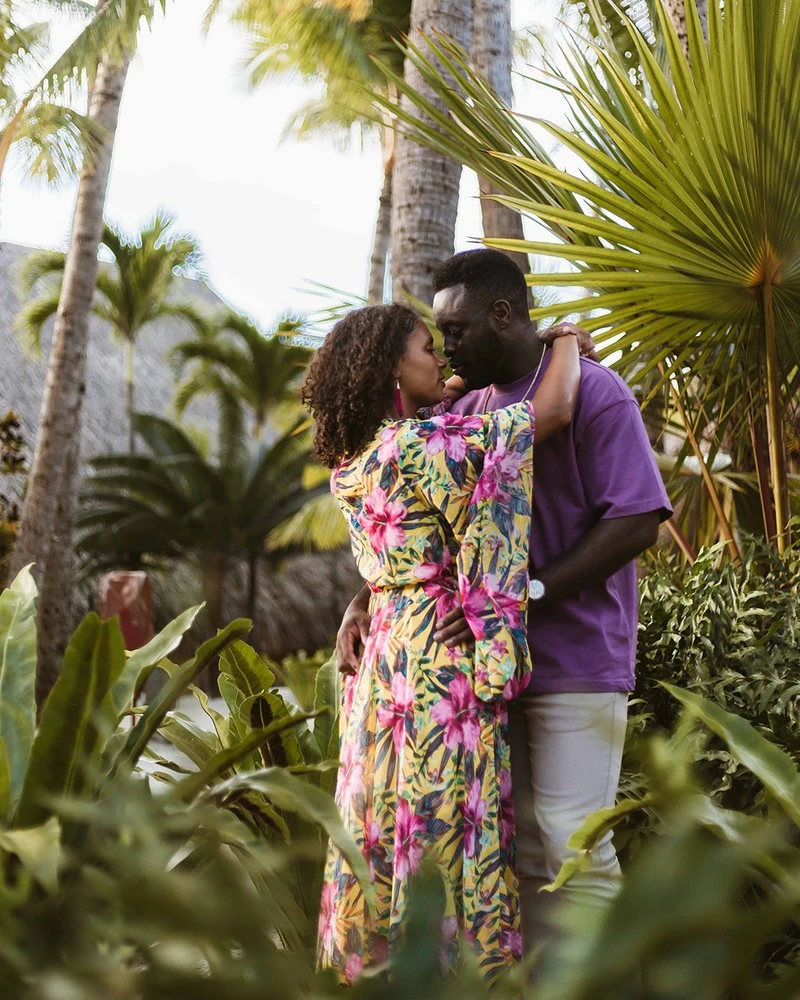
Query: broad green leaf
<point x="773" y="767"/>
<point x="192" y="741"/>
<point x="260" y="712"/>
<point x="143" y="661"/>
<point x="179" y="682"/>
<point x="39" y="850"/>
<point x="327" y="697"/>
<point x="294" y="795"/>
<point x="17" y="685"/>
<point x="77" y="720"/>
<point x="247" y="669"/>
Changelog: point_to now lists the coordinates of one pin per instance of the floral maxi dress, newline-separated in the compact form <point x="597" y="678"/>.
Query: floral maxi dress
<point x="438" y="511"/>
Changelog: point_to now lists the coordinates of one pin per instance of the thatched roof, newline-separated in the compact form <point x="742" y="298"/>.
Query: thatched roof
<point x="302" y="607"/>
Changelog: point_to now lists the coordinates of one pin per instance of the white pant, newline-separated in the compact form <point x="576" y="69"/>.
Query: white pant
<point x="566" y="753"/>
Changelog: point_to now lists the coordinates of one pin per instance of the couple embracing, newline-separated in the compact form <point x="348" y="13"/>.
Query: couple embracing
<point x="488" y="659"/>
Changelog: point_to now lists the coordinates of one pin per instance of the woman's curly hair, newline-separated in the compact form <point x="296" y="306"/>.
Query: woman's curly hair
<point x="351" y="380"/>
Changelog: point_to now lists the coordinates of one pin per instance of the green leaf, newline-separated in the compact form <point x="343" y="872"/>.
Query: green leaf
<point x="774" y="768"/>
<point x="247" y="669"/>
<point x="294" y="795"/>
<point x="77" y="720"/>
<point x="179" y="682"/>
<point x="143" y="661"/>
<point x="17" y="685"/>
<point x="39" y="850"/>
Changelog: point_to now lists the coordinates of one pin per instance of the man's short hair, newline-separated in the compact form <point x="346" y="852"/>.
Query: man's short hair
<point x="487" y="275"/>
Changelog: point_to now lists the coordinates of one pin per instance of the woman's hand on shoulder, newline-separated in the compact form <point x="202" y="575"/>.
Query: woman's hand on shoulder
<point x="454" y="387"/>
<point x="586" y="345"/>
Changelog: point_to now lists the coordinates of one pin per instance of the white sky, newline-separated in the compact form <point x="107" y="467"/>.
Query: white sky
<point x="196" y="140"/>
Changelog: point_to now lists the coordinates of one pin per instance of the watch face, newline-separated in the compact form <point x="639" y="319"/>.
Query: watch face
<point x="536" y="590"/>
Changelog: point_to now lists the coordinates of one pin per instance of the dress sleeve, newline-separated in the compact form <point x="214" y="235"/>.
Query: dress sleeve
<point x="478" y="472"/>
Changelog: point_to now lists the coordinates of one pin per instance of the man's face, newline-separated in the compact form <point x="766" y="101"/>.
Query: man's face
<point x="471" y="338"/>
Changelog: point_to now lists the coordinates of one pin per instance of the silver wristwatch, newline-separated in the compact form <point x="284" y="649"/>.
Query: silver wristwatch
<point x="536" y="590"/>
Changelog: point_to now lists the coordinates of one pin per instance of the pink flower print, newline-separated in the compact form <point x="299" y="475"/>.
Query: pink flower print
<point x="407" y="842"/>
<point x="351" y="775"/>
<point x="447" y="943"/>
<point x="353" y="968"/>
<point x="506" y="808"/>
<point x="457" y="713"/>
<point x="327" y="916"/>
<point x="516" y="685"/>
<point x="473" y="811"/>
<point x="499" y="469"/>
<point x="451" y="435"/>
<point x="381" y="519"/>
<point x="394" y="714"/>
<point x="379" y="629"/>
<point x="372" y="838"/>
<point x="512" y="941"/>
<point x="388" y="450"/>
<point x="349" y="694"/>
<point x="438" y="582"/>
<point x="473" y="602"/>
<point x="505" y="604"/>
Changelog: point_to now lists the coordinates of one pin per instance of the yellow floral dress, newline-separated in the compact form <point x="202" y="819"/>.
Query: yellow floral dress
<point x="439" y="512"/>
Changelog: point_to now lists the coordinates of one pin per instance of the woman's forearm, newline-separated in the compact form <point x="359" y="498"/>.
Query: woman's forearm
<point x="554" y="401"/>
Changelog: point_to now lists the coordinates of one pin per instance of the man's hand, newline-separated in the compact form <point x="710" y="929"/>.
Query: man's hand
<point x="453" y="630"/>
<point x="353" y="632"/>
<point x="585" y="342"/>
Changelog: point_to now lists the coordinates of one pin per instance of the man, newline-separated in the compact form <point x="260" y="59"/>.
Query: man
<point x="598" y="501"/>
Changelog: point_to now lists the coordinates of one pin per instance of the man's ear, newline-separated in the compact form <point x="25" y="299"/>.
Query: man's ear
<point x="501" y="311"/>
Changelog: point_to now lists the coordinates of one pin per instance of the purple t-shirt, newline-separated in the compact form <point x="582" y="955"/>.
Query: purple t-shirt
<point x="601" y="466"/>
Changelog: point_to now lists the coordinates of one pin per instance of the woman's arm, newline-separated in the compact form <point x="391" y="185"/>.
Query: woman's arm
<point x="454" y="387"/>
<point x="554" y="401"/>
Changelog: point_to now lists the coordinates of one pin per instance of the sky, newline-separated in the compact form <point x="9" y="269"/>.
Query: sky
<point x="195" y="139"/>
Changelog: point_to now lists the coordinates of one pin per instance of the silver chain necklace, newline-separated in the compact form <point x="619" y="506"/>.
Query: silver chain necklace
<point x="527" y="392"/>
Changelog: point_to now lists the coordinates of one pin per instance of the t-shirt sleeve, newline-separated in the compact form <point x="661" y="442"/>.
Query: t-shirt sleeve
<point x="618" y="468"/>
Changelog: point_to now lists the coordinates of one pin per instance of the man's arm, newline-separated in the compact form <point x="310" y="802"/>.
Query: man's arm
<point x="604" y="549"/>
<point x="352" y="635"/>
<point x="607" y="547"/>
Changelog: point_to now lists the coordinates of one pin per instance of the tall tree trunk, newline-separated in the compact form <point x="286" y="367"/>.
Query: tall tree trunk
<point x="492" y="53"/>
<point x="383" y="236"/>
<point x="56" y="603"/>
<point x="252" y="585"/>
<point x="60" y="418"/>
<point x="425" y="186"/>
<point x="129" y="348"/>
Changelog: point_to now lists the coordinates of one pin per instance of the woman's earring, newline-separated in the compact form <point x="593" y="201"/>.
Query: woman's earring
<point x="398" y="399"/>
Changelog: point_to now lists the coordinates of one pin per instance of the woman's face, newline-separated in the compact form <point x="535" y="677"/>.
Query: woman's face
<point x="420" y="372"/>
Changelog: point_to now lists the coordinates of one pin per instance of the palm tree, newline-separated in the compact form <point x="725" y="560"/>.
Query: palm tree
<point x="132" y="292"/>
<point x="426" y="181"/>
<point x="232" y="359"/>
<point x="175" y="504"/>
<point x="105" y="47"/>
<point x="693" y="272"/>
<point x="333" y="43"/>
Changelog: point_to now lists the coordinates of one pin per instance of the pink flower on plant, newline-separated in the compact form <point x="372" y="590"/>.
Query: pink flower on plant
<point x="451" y="435"/>
<point x="388" y="450"/>
<point x="473" y="811"/>
<point x="407" y="843"/>
<point x="438" y="582"/>
<point x="381" y="519"/>
<point x="327" y="916"/>
<point x="506" y="808"/>
<point x="394" y="714"/>
<point x="353" y="968"/>
<point x="457" y="712"/>
<point x="351" y="775"/>
<point x="500" y="468"/>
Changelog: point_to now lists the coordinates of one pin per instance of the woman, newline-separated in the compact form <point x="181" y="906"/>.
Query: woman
<point x="439" y="513"/>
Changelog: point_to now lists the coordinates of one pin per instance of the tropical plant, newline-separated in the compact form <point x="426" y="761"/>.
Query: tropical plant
<point x="103" y="51"/>
<point x="174" y="503"/>
<point x="333" y="43"/>
<point x="12" y="463"/>
<point x="232" y="359"/>
<point x="133" y="291"/>
<point x="700" y="282"/>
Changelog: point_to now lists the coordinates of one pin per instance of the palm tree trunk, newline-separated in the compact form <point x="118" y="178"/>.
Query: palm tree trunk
<point x="129" y="392"/>
<point x="56" y="603"/>
<point x="492" y="52"/>
<point x="60" y="419"/>
<point x="677" y="14"/>
<point x="383" y="236"/>
<point x="215" y="576"/>
<point x="425" y="185"/>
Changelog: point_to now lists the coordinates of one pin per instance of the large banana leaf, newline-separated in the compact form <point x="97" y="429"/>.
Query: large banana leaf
<point x="77" y="720"/>
<point x="17" y="686"/>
